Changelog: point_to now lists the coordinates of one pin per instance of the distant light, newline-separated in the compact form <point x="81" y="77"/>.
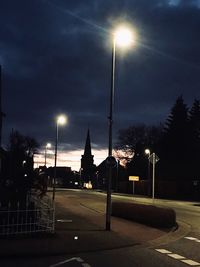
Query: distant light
<point x="76" y="183"/>
<point x="61" y="119"/>
<point x="147" y="151"/>
<point x="48" y="145"/>
<point x="123" y="37"/>
<point x="75" y="237"/>
<point x="25" y="175"/>
<point x="88" y="185"/>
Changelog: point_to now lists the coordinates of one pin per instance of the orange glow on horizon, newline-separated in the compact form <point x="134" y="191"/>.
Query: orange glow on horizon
<point x="69" y="159"/>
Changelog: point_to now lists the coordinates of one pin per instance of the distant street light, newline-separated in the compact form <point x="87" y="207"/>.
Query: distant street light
<point x="148" y="153"/>
<point x="122" y="37"/>
<point x="153" y="158"/>
<point x="48" y="145"/>
<point x="61" y="120"/>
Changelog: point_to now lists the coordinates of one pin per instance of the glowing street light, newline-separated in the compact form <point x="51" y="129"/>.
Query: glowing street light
<point x="48" y="145"/>
<point x="60" y="120"/>
<point x="122" y="37"/>
<point x="147" y="151"/>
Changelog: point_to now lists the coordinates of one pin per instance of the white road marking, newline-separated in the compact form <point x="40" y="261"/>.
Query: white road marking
<point x="164" y="251"/>
<point x="64" y="221"/>
<point x="63" y="262"/>
<point x="78" y="259"/>
<point x="191" y="262"/>
<point x="176" y="256"/>
<point x="190" y="238"/>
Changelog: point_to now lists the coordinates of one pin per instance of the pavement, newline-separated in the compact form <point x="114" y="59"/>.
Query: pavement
<point x="84" y="231"/>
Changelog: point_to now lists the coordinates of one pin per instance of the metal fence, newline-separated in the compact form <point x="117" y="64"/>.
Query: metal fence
<point x="33" y="215"/>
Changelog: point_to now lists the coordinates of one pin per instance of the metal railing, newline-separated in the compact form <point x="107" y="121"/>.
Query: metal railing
<point x="33" y="215"/>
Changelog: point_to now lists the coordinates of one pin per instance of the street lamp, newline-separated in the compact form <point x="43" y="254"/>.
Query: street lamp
<point x="48" y="145"/>
<point x="148" y="153"/>
<point x="122" y="37"/>
<point x="60" y="120"/>
<point x="153" y="158"/>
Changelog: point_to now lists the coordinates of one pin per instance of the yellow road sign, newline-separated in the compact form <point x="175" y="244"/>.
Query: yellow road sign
<point x="134" y="178"/>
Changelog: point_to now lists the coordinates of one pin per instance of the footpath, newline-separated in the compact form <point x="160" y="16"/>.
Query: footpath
<point x="80" y="228"/>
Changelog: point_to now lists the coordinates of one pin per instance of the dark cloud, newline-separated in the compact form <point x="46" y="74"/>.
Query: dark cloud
<point x="56" y="57"/>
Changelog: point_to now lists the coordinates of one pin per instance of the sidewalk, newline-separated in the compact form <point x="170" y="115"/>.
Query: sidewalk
<point x="84" y="231"/>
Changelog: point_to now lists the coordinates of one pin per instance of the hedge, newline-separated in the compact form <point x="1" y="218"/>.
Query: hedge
<point x="145" y="214"/>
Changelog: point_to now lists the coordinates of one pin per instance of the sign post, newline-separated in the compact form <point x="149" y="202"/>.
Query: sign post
<point x="134" y="179"/>
<point x="153" y="159"/>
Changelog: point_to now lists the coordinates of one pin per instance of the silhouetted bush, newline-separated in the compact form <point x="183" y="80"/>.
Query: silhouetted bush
<point x="146" y="214"/>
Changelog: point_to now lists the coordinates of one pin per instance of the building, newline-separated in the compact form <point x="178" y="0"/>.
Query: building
<point x="88" y="169"/>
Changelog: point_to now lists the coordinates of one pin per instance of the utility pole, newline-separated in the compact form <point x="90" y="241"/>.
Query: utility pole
<point x="153" y="186"/>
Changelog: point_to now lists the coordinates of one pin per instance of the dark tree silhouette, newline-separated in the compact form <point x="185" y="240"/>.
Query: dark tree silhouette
<point x="18" y="170"/>
<point x="177" y="122"/>
<point x="133" y="141"/>
<point x="175" y="146"/>
<point x="136" y="138"/>
<point x="194" y="138"/>
<point x="194" y="121"/>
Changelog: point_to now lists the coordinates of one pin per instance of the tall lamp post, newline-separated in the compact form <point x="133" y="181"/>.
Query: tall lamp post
<point x="122" y="37"/>
<point x="61" y="120"/>
<point x="48" y="145"/>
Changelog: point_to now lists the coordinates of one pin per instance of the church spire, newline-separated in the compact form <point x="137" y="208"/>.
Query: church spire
<point x="87" y="162"/>
<point x="87" y="151"/>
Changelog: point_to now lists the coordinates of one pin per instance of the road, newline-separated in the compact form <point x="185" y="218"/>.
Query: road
<point x="168" y="252"/>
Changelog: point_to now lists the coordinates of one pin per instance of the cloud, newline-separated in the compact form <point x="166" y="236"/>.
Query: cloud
<point x="71" y="158"/>
<point x="56" y="58"/>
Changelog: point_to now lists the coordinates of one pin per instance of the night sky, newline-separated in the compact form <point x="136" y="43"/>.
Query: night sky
<point x="56" y="58"/>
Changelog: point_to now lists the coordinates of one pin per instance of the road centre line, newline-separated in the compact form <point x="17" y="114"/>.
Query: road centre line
<point x="191" y="262"/>
<point x="192" y="238"/>
<point x="178" y="257"/>
<point x="163" y="251"/>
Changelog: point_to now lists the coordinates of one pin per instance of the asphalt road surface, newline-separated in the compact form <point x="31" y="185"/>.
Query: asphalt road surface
<point x="181" y="251"/>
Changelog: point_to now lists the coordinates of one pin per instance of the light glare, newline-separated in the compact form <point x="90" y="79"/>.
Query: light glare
<point x="48" y="145"/>
<point x="147" y="151"/>
<point x="62" y="119"/>
<point x="123" y="36"/>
